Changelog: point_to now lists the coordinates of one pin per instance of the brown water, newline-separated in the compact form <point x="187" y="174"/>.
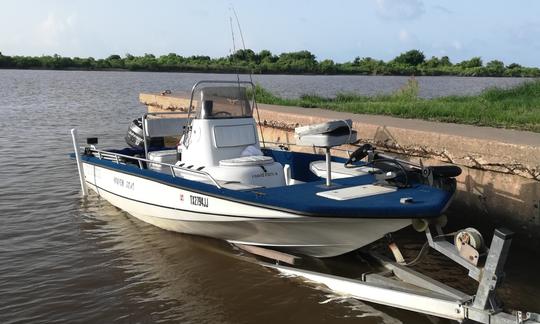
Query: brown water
<point x="66" y="259"/>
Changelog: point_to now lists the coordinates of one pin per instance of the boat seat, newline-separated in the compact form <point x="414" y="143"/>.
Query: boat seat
<point x="323" y="128"/>
<point x="328" y="134"/>
<point x="252" y="160"/>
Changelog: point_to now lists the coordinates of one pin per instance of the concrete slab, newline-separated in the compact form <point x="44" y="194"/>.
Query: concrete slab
<point x="488" y="148"/>
<point x="484" y="133"/>
<point x="501" y="168"/>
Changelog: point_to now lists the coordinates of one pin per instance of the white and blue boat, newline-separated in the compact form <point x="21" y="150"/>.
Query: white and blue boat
<point x="223" y="182"/>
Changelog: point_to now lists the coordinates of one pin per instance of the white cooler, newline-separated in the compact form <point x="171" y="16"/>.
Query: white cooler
<point x="165" y="156"/>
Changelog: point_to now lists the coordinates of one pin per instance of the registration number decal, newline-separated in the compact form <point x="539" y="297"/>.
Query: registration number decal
<point x="198" y="201"/>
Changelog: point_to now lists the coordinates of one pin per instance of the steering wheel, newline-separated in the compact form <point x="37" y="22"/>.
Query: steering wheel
<point x="221" y="112"/>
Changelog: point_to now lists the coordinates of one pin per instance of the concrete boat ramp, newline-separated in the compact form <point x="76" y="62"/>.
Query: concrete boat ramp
<point x="500" y="185"/>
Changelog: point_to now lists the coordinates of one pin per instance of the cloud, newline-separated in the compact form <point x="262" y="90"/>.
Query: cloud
<point x="404" y="36"/>
<point x="457" y="45"/>
<point x="442" y="9"/>
<point x="55" y="31"/>
<point x="400" y="9"/>
<point x="407" y="38"/>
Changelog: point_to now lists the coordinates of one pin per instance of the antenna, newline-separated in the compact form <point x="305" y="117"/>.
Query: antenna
<point x="250" y="71"/>
<point x="239" y="28"/>
<point x="234" y="48"/>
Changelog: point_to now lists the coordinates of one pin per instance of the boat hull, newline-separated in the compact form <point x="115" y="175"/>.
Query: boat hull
<point x="184" y="211"/>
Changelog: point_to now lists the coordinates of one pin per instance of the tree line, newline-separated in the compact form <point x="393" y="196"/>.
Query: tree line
<point x="412" y="62"/>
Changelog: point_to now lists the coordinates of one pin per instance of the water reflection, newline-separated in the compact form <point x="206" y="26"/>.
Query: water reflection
<point x="67" y="259"/>
<point x="202" y="280"/>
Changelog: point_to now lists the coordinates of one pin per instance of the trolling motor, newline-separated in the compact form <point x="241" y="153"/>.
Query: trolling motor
<point x="404" y="168"/>
<point x="383" y="176"/>
<point x="359" y="154"/>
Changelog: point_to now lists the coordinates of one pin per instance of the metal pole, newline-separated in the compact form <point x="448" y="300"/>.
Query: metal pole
<point x="493" y="269"/>
<point x="79" y="162"/>
<point x="143" y="122"/>
<point x="328" y="168"/>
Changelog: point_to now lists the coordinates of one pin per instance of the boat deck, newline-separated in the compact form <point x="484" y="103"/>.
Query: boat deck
<point x="424" y="201"/>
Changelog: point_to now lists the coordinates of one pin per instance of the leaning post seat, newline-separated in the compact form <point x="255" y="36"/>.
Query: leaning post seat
<point x="220" y="136"/>
<point x="247" y="161"/>
<point x="326" y="135"/>
<point x="257" y="170"/>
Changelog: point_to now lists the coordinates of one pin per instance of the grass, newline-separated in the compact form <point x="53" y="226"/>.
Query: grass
<point x="517" y="108"/>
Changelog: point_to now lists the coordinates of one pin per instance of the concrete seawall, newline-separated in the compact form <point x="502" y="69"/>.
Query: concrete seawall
<point x="500" y="183"/>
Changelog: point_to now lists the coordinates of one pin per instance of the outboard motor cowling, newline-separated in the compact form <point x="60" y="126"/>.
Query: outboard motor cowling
<point x="135" y="138"/>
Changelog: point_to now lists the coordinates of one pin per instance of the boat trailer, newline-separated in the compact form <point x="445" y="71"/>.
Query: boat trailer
<point x="401" y="287"/>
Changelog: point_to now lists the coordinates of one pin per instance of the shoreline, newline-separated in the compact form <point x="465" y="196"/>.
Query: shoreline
<point x="277" y="74"/>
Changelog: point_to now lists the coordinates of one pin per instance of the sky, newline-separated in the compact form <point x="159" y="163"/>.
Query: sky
<point x="339" y="30"/>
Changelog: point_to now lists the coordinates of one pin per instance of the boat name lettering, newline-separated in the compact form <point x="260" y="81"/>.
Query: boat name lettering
<point x="264" y="174"/>
<point x="198" y="201"/>
<point x="124" y="183"/>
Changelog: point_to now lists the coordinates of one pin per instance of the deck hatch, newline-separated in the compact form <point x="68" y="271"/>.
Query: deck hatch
<point x="355" y="192"/>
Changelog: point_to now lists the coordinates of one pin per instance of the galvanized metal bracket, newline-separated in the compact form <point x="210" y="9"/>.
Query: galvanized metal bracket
<point x="492" y="273"/>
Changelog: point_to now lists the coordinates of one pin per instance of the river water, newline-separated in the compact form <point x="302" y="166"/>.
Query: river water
<point x="66" y="259"/>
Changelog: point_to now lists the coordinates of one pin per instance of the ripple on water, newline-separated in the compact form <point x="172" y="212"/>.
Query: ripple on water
<point x="67" y="259"/>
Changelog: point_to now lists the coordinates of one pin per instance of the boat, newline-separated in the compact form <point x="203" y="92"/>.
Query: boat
<point x="223" y="181"/>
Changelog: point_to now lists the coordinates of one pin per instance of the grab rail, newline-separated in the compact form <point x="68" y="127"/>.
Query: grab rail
<point x="172" y="167"/>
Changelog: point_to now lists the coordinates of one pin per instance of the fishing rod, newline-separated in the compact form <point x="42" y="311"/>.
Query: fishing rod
<point x="250" y="71"/>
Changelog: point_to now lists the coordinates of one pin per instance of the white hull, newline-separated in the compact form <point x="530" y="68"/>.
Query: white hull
<point x="184" y="211"/>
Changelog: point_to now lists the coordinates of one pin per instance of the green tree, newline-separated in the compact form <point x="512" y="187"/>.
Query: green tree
<point x="264" y="54"/>
<point x="327" y="67"/>
<point x="267" y="56"/>
<point x="409" y="63"/>
<point x="304" y="56"/>
<point x="411" y="58"/>
<point x="495" y="64"/>
<point x="368" y="65"/>
<point x="115" y="61"/>
<point x="472" y="63"/>
<point x="495" y="68"/>
<point x="445" y="61"/>
<point x="433" y="62"/>
<point x="246" y="55"/>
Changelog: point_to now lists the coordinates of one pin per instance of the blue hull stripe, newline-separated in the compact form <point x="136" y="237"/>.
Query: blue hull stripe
<point x="301" y="199"/>
<point x="184" y="210"/>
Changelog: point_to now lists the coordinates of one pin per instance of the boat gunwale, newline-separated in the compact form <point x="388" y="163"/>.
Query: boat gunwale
<point x="212" y="191"/>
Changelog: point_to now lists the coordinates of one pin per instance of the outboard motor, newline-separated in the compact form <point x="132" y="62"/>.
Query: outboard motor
<point x="135" y="138"/>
